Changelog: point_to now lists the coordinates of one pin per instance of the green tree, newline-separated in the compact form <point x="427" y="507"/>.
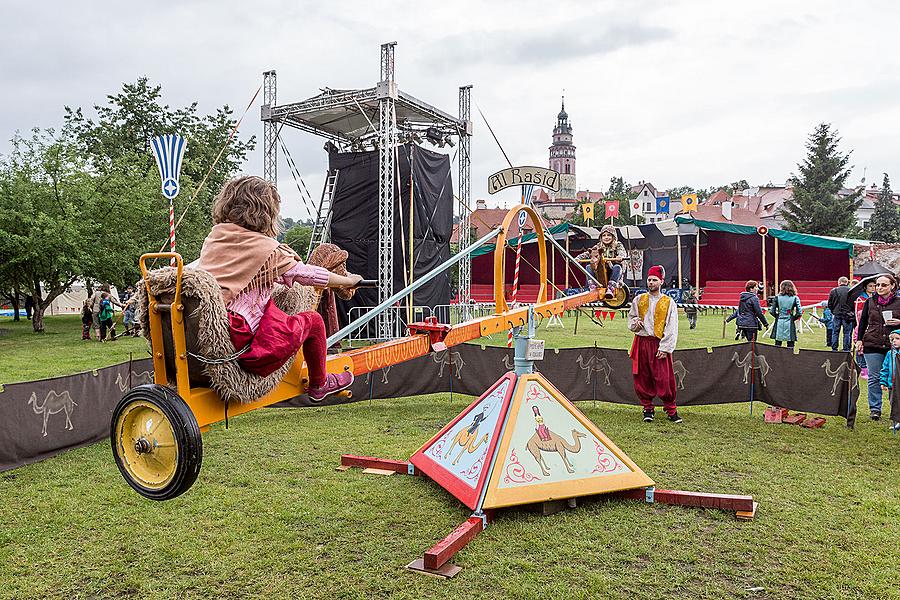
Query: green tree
<point x="297" y="237"/>
<point x="116" y="147"/>
<point x="884" y="226"/>
<point x="48" y="224"/>
<point x="816" y="206"/>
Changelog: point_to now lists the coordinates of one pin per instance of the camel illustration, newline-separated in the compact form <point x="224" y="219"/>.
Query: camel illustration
<point x="450" y="358"/>
<point x="384" y="374"/>
<point x="545" y="440"/>
<point x="844" y="372"/>
<point x="138" y="378"/>
<point x="509" y="364"/>
<point x="467" y="437"/>
<point x="53" y="403"/>
<point x="595" y="365"/>
<point x="759" y="362"/>
<point x="680" y="372"/>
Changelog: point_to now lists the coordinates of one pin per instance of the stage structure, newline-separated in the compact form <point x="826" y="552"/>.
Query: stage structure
<point x="376" y="118"/>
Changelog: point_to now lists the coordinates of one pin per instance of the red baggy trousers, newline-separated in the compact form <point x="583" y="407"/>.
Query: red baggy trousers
<point x="652" y="376"/>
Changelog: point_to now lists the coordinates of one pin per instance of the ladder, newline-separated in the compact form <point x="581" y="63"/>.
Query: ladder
<point x="320" y="232"/>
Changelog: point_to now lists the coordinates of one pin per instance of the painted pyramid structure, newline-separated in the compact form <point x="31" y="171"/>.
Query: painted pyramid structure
<point x="522" y="442"/>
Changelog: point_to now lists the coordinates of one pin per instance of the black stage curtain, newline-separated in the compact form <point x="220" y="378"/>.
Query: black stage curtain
<point x="354" y="221"/>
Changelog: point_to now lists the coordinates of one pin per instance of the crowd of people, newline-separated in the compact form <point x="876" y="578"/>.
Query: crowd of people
<point x="98" y="312"/>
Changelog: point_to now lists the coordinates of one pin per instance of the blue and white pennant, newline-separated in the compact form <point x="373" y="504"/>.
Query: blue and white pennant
<point x="168" y="151"/>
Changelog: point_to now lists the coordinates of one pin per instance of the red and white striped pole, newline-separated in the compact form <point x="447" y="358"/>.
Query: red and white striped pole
<point x="171" y="230"/>
<point x="515" y="290"/>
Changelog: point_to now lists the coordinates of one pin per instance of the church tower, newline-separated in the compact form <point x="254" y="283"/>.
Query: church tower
<point x="562" y="154"/>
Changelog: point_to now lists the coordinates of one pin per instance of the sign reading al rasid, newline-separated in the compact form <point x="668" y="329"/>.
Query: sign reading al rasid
<point x="523" y="176"/>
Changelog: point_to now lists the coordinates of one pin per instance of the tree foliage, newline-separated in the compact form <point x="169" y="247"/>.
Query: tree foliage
<point x="884" y="226"/>
<point x="816" y="206"/>
<point x="85" y="202"/>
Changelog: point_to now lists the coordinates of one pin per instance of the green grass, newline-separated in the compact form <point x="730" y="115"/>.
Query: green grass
<point x="59" y="350"/>
<point x="269" y="516"/>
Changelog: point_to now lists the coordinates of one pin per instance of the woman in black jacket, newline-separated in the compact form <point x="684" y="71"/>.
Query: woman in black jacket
<point x="749" y="314"/>
<point x="880" y="315"/>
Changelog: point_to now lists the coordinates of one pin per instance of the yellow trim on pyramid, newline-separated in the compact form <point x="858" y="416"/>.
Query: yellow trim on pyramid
<point x="497" y="497"/>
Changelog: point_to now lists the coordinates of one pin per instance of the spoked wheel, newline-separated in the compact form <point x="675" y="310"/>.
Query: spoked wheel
<point x="156" y="442"/>
<point x="620" y="298"/>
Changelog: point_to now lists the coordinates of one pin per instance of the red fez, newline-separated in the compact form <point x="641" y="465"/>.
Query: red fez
<point x="657" y="271"/>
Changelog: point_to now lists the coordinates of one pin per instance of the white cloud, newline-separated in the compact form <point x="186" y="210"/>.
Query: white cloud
<point x="695" y="93"/>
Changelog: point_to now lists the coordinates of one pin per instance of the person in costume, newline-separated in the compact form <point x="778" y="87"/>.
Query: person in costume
<point x="244" y="256"/>
<point x="612" y="253"/>
<point x="654" y="320"/>
<point x="785" y="308"/>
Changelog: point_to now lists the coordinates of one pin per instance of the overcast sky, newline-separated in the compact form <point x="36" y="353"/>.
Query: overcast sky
<point x="677" y="93"/>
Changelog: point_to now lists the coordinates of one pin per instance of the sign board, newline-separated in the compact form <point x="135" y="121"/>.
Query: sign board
<point x="535" y="350"/>
<point x="168" y="150"/>
<point x="513" y="176"/>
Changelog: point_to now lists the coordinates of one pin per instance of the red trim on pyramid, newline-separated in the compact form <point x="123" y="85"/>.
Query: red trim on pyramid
<point x="445" y="478"/>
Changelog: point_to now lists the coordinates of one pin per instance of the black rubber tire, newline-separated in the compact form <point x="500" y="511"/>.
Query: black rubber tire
<point x="626" y="298"/>
<point x="187" y="436"/>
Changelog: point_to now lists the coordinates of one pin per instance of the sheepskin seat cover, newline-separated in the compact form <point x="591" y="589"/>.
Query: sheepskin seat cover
<point x="212" y="332"/>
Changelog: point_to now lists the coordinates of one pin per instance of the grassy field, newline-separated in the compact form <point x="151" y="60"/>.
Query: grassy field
<point x="269" y="516"/>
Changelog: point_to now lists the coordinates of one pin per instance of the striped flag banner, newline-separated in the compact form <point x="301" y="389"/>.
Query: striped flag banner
<point x="168" y="150"/>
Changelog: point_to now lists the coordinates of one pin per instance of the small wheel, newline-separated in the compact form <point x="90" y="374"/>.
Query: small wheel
<point x="156" y="442"/>
<point x="619" y="299"/>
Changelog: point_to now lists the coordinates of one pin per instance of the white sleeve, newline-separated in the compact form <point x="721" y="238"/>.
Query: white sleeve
<point x="670" y="333"/>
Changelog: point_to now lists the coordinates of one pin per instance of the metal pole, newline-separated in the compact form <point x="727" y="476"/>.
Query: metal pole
<point x="465" y="187"/>
<point x="763" y="238"/>
<point x="776" y="266"/>
<point x="567" y="254"/>
<point x="697" y="266"/>
<point x="336" y="337"/>
<point x="409" y="300"/>
<point x="387" y="140"/>
<point x="524" y="333"/>
<point x="270" y="129"/>
<point x="680" y="276"/>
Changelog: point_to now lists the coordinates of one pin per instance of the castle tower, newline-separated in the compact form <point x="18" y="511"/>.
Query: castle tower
<point x="562" y="154"/>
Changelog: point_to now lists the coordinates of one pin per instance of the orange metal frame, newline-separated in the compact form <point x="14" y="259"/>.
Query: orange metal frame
<point x="206" y="404"/>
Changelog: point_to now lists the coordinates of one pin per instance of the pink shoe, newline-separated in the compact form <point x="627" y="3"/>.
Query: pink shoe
<point x="864" y="373"/>
<point x="334" y="382"/>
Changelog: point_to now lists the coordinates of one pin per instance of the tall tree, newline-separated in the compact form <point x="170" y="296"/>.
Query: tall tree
<point x="816" y="206"/>
<point x="884" y="226"/>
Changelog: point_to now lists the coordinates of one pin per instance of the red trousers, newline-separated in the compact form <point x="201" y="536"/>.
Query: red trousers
<point x="652" y="376"/>
<point x="278" y="337"/>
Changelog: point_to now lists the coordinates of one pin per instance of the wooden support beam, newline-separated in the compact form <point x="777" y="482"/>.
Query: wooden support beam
<point x="443" y="551"/>
<point x="370" y="462"/>
<point x="728" y="502"/>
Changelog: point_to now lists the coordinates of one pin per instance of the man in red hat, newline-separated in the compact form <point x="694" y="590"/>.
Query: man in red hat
<point x="654" y="320"/>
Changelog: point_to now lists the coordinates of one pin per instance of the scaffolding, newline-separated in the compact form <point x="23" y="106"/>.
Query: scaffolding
<point x="376" y="118"/>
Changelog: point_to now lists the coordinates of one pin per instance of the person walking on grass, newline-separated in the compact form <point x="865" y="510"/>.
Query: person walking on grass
<point x="749" y="315"/>
<point x="880" y="315"/>
<point x="843" y="315"/>
<point x="785" y="309"/>
<point x="654" y="320"/>
<point x="106" y="317"/>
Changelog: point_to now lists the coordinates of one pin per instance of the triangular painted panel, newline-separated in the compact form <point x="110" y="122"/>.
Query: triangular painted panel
<point x="550" y="450"/>
<point x="459" y="455"/>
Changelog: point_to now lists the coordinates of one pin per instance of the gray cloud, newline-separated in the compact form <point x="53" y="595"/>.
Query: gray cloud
<point x="565" y="41"/>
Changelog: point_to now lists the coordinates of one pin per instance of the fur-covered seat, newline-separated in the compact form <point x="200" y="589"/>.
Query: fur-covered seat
<point x="207" y="331"/>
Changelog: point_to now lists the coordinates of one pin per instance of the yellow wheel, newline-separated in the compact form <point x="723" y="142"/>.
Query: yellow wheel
<point x="620" y="298"/>
<point x="156" y="442"/>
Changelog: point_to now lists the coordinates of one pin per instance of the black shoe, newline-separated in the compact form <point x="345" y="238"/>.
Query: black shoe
<point x="875" y="416"/>
<point x="648" y="416"/>
<point x="675" y="418"/>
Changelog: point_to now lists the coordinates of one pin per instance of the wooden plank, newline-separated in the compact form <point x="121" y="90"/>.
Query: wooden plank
<point x="444" y="550"/>
<point x="370" y="462"/>
<point x="446" y="571"/>
<point x="747" y="515"/>
<point x="371" y="471"/>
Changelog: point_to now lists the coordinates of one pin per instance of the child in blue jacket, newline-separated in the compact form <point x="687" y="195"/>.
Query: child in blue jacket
<point x="887" y="373"/>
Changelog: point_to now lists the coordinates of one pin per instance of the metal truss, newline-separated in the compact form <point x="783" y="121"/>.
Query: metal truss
<point x="270" y="130"/>
<point x="387" y="140"/>
<point x="376" y="118"/>
<point x="465" y="191"/>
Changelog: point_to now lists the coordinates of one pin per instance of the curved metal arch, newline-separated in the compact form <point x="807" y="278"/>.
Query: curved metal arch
<point x="500" y="256"/>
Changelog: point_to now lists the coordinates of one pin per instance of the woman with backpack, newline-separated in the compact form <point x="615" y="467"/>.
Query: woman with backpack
<point x="106" y="316"/>
<point x="749" y="315"/>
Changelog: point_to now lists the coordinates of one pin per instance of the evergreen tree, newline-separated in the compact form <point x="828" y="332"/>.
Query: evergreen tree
<point x="816" y="206"/>
<point x="884" y="225"/>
